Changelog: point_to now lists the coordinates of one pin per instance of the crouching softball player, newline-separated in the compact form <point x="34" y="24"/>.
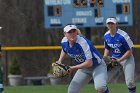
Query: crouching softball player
<point x="88" y="59"/>
<point x="119" y="43"/>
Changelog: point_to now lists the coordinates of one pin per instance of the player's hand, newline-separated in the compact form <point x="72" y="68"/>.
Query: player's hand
<point x="72" y="69"/>
<point x="110" y="62"/>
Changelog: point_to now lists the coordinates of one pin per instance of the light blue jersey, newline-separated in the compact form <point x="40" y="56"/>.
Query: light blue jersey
<point x="82" y="50"/>
<point x="119" y="43"/>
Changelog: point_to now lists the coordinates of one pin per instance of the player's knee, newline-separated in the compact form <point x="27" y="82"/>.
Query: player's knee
<point x="130" y="84"/>
<point x="101" y="89"/>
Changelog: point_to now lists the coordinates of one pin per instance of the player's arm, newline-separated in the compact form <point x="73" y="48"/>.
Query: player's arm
<point x="106" y="52"/>
<point x="87" y="64"/>
<point x="125" y="56"/>
<point x="62" y="56"/>
<point x="128" y="44"/>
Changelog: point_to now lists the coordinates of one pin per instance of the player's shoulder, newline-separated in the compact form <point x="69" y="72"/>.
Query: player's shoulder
<point x="107" y="33"/>
<point x="64" y="40"/>
<point x="81" y="39"/>
<point x="122" y="33"/>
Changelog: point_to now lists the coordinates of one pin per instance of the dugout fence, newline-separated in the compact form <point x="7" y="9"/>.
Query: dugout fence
<point x="35" y="48"/>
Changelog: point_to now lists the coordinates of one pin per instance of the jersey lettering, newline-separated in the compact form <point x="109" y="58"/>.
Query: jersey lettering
<point x="79" y="58"/>
<point x="117" y="50"/>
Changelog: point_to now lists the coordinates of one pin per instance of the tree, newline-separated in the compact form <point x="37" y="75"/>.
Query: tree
<point x="14" y="67"/>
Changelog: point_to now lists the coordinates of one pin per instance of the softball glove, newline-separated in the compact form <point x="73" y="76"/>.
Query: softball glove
<point x="110" y="62"/>
<point x="60" y="70"/>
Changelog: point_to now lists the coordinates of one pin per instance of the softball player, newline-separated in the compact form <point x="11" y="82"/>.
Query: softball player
<point x="119" y="43"/>
<point x="89" y="63"/>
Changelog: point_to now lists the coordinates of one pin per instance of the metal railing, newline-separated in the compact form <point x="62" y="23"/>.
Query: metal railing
<point x="16" y="48"/>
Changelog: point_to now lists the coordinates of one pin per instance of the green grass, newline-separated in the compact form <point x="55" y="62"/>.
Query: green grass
<point x="114" y="88"/>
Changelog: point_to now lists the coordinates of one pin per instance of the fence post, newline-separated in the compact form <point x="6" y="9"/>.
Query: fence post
<point x="6" y="68"/>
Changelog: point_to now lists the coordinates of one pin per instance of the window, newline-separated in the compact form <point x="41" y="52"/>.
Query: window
<point x="96" y="13"/>
<point x="126" y="8"/>
<point x="58" y="11"/>
<point x="119" y="8"/>
<point x="92" y="3"/>
<point x="50" y="11"/>
<point x="101" y="2"/>
<point x="76" y="3"/>
<point x="84" y="3"/>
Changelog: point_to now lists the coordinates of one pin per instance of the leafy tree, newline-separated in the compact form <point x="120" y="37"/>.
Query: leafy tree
<point x="14" y="67"/>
